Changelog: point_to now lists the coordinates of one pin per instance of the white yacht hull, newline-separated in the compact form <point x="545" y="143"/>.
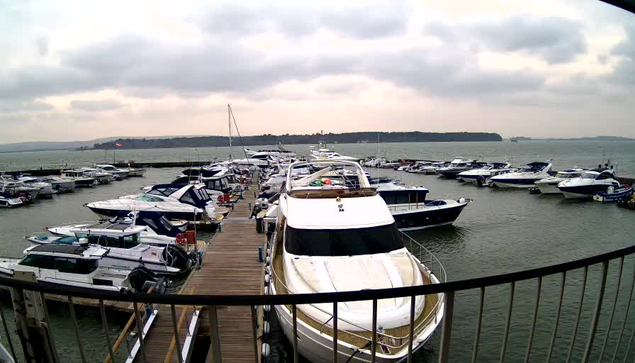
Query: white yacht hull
<point x="548" y="188"/>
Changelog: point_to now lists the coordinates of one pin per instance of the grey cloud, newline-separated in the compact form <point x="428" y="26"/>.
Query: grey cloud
<point x="37" y="81"/>
<point x="371" y="22"/>
<point x="11" y="106"/>
<point x="555" y="39"/>
<point x="97" y="105"/>
<point x="42" y="44"/>
<point x="624" y="72"/>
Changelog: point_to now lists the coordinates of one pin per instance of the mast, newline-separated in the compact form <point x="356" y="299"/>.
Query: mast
<point x="229" y="121"/>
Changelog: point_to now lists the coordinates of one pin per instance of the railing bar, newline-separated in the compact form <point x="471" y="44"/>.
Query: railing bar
<point x="104" y="322"/>
<point x="577" y="320"/>
<point x="555" y="327"/>
<point x="446" y="332"/>
<point x="596" y="315"/>
<point x="413" y="300"/>
<point x="617" y="294"/>
<point x="47" y="320"/>
<point x="630" y="344"/>
<point x="77" y="335"/>
<point x="628" y="308"/>
<point x="6" y="332"/>
<point x="296" y="354"/>
<point x="175" y="328"/>
<point x="373" y="342"/>
<point x="533" y="323"/>
<point x="214" y="334"/>
<point x="508" y="321"/>
<point x="139" y="325"/>
<point x="479" y="322"/>
<point x="254" y="333"/>
<point x="127" y="340"/>
<point x="335" y="345"/>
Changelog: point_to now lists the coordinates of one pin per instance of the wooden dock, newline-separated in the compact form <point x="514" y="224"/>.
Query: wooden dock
<point x="230" y="266"/>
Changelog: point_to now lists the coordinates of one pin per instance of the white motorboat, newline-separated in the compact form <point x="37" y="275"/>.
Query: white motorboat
<point x="156" y="229"/>
<point x="457" y="166"/>
<point x="482" y="175"/>
<point x="77" y="176"/>
<point x="77" y="266"/>
<point x="125" y="249"/>
<point x="117" y="173"/>
<point x="8" y="200"/>
<point x="101" y="177"/>
<point x="591" y="182"/>
<point x="189" y="202"/>
<point x="525" y="178"/>
<point x="16" y="188"/>
<point x="550" y="185"/>
<point x="323" y="152"/>
<point x="45" y="189"/>
<point x="332" y="236"/>
<point x="60" y="185"/>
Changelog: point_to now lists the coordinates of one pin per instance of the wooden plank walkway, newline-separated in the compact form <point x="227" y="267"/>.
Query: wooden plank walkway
<point x="230" y="266"/>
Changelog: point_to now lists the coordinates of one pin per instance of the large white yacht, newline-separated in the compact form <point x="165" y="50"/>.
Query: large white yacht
<point x="334" y="236"/>
<point x="525" y="178"/>
<point x="550" y="185"/>
<point x="482" y="175"/>
<point x="588" y="184"/>
<point x="323" y="152"/>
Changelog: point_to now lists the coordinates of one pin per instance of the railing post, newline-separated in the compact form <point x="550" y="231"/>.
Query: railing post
<point x="577" y="320"/>
<point x="411" y="326"/>
<point x="296" y="354"/>
<point x="104" y="324"/>
<point x="533" y="323"/>
<point x="76" y="327"/>
<point x="373" y="344"/>
<point x="214" y="334"/>
<point x="6" y="332"/>
<point x="512" y="288"/>
<point x="479" y="323"/>
<point x="555" y="328"/>
<point x="175" y="328"/>
<point x="628" y="308"/>
<point x="335" y="331"/>
<point x="446" y="333"/>
<point x="596" y="315"/>
<point x="254" y="333"/>
<point x="617" y="294"/>
<point x="139" y="325"/>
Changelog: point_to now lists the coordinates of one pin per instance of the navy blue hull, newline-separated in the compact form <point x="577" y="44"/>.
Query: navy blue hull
<point x="169" y="215"/>
<point x="413" y="220"/>
<point x="585" y="189"/>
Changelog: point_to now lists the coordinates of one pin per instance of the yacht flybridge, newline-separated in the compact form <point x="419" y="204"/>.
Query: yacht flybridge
<point x="334" y="235"/>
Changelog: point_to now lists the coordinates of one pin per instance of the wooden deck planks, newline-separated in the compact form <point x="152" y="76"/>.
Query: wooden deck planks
<point x="230" y="266"/>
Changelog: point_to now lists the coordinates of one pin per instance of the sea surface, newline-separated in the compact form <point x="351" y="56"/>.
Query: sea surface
<point x="500" y="231"/>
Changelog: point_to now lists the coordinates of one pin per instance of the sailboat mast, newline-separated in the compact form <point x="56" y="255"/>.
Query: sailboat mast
<point x="229" y="121"/>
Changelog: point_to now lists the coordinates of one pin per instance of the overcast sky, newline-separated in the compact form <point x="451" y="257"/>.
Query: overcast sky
<point x="77" y="70"/>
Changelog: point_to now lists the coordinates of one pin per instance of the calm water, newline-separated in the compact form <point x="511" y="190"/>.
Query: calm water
<point x="501" y="231"/>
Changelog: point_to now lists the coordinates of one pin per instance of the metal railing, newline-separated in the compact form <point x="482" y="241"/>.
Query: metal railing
<point x="610" y="313"/>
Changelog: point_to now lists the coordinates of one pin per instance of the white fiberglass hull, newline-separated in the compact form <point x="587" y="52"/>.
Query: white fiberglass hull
<point x="548" y="188"/>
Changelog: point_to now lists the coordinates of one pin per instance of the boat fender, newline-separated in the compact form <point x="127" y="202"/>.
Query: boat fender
<point x="461" y="200"/>
<point x="266" y="328"/>
<point x="266" y="349"/>
<point x="267" y="278"/>
<point x="267" y="308"/>
<point x="268" y="260"/>
<point x="267" y="290"/>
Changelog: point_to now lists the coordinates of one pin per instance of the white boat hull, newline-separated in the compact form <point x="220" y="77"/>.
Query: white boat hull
<point x="548" y="188"/>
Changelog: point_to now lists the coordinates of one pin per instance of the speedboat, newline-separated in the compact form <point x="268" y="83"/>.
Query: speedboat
<point x="77" y="176"/>
<point x="550" y="185"/>
<point x="45" y="189"/>
<point x="117" y="173"/>
<point x="60" y="185"/>
<point x="525" y="178"/>
<point x="333" y="236"/>
<point x="125" y="249"/>
<point x="101" y="177"/>
<point x="614" y="194"/>
<point x="591" y="182"/>
<point x="189" y="202"/>
<point x="156" y="229"/>
<point x="482" y="175"/>
<point x="457" y="166"/>
<point x="411" y="210"/>
<point x="76" y="266"/>
<point x="16" y="188"/>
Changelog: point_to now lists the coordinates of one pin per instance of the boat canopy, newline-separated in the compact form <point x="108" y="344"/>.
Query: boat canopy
<point x="190" y="194"/>
<point x="536" y="166"/>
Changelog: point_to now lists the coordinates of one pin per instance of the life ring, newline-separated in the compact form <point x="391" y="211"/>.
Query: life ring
<point x="221" y="198"/>
<point x="181" y="239"/>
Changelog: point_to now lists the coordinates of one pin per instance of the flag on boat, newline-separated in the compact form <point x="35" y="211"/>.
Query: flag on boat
<point x="118" y="145"/>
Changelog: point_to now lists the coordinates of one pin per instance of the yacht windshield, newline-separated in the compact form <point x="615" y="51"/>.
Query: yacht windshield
<point x="589" y="175"/>
<point x="342" y="242"/>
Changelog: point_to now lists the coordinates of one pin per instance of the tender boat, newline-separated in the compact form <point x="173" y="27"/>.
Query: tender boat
<point x="525" y="178"/>
<point x="17" y="189"/>
<point x="8" y="200"/>
<point x="550" y="185"/>
<point x="588" y="184"/>
<point x="332" y="236"/>
<point x="77" y="176"/>
<point x="614" y="194"/>
<point x="156" y="229"/>
<point x="481" y="176"/>
<point x="189" y="202"/>
<point x="411" y="210"/>
<point x="457" y="166"/>
<point x="77" y="266"/>
<point x="125" y="250"/>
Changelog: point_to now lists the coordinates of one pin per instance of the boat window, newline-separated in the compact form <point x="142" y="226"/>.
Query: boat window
<point x="166" y="223"/>
<point x="342" y="242"/>
<point x="603" y="176"/>
<point x="148" y="198"/>
<point x="150" y="222"/>
<point x="112" y="241"/>
<point x="38" y="261"/>
<point x="75" y="266"/>
<point x="204" y="195"/>
<point x="187" y="198"/>
<point x="589" y="175"/>
<point x="163" y="191"/>
<point x="403" y="197"/>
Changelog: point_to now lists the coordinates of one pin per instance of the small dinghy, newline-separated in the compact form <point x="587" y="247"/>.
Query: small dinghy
<point x="614" y="194"/>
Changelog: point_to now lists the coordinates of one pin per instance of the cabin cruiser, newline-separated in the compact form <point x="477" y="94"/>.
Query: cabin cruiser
<point x="189" y="202"/>
<point x="45" y="189"/>
<point x="76" y="266"/>
<point x="457" y="166"/>
<point x="77" y="176"/>
<point x="323" y="152"/>
<point x="16" y="188"/>
<point x="525" y="178"/>
<point x="591" y="182"/>
<point x="482" y="175"/>
<point x="429" y="168"/>
<point x="8" y="200"/>
<point x="214" y="185"/>
<point x="411" y="210"/>
<point x="156" y="230"/>
<point x="101" y="177"/>
<point x="125" y="249"/>
<point x="332" y="236"/>
<point x="60" y="185"/>
<point x="550" y="185"/>
<point x="117" y="173"/>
